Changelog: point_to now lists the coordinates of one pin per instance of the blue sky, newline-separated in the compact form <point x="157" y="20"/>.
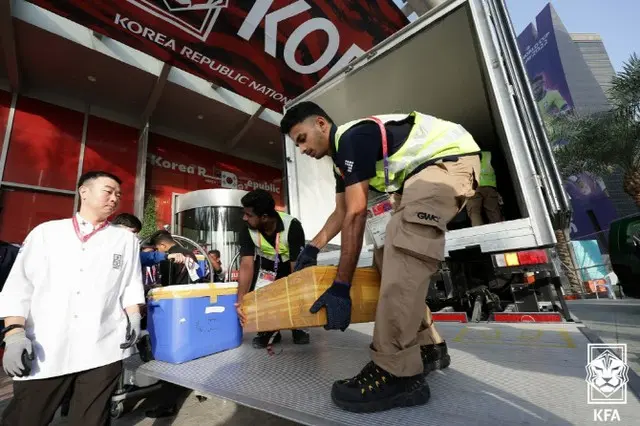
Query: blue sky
<point x="615" y="20"/>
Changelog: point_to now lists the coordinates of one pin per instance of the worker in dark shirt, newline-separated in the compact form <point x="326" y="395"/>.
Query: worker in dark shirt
<point x="170" y="272"/>
<point x="267" y="246"/>
<point x="422" y="169"/>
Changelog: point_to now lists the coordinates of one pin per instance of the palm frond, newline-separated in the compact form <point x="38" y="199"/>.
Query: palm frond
<point x="589" y="143"/>
<point x="602" y="142"/>
<point x="625" y="90"/>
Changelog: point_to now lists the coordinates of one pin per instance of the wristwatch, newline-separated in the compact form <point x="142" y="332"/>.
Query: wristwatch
<point x="9" y="328"/>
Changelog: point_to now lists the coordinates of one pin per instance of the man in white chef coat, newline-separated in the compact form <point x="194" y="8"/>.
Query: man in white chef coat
<point x="71" y="311"/>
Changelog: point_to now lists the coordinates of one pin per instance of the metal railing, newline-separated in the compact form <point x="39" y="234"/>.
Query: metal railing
<point x="189" y="242"/>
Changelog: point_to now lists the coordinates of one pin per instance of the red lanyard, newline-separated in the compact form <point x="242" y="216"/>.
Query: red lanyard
<point x="85" y="238"/>
<point x="385" y="149"/>
<point x="275" y="262"/>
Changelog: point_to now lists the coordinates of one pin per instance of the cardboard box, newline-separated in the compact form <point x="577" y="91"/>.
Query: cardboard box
<point x="285" y="303"/>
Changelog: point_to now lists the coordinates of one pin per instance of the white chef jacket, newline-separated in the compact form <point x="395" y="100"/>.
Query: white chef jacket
<point x="73" y="295"/>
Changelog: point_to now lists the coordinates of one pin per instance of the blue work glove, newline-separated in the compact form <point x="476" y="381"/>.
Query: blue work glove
<point x="307" y="257"/>
<point x="337" y="301"/>
<point x="18" y="354"/>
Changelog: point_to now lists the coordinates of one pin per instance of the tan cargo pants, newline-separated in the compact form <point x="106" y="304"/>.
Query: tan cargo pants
<point x="414" y="245"/>
<point x="486" y="198"/>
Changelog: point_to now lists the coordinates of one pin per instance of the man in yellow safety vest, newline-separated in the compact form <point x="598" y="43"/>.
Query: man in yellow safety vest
<point x="429" y="165"/>
<point x="268" y="232"/>
<point x="486" y="199"/>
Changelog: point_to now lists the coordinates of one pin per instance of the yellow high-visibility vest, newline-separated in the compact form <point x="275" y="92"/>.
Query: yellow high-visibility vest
<point x="487" y="174"/>
<point x="430" y="138"/>
<point x="266" y="250"/>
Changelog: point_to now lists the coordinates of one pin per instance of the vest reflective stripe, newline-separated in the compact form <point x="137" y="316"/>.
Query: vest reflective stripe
<point x="430" y="138"/>
<point x="487" y="174"/>
<point x="266" y="250"/>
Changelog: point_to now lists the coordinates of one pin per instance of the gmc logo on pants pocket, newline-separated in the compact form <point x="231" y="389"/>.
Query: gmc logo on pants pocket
<point x="429" y="217"/>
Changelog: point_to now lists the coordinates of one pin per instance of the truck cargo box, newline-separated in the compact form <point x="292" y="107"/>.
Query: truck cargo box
<point x="450" y="66"/>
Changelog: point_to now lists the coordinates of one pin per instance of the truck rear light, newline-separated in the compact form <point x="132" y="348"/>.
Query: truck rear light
<point x="533" y="257"/>
<point x="512" y="259"/>
<point x="520" y="258"/>
<point x="499" y="260"/>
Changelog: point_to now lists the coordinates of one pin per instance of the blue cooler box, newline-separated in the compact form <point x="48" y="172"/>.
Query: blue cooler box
<point x="186" y="322"/>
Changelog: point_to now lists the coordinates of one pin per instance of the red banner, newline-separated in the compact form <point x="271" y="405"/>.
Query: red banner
<point x="177" y="167"/>
<point x="269" y="51"/>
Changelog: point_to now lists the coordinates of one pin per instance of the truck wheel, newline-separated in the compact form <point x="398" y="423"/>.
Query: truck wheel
<point x="116" y="409"/>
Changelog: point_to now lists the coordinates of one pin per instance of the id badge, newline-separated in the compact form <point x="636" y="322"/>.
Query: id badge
<point x="265" y="278"/>
<point x="192" y="269"/>
<point x="378" y="215"/>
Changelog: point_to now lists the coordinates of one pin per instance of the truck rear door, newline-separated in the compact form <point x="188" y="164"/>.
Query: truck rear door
<point x="557" y="203"/>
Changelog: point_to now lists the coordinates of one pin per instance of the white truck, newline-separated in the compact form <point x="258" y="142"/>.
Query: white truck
<point x="460" y="63"/>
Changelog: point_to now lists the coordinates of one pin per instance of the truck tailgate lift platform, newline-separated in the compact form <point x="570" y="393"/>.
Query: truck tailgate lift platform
<point x="515" y="374"/>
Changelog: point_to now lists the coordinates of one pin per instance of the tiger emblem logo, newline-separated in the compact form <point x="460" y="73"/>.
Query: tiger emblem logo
<point x="607" y="373"/>
<point x="195" y="17"/>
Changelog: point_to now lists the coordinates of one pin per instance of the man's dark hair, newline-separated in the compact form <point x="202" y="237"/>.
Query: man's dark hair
<point x="299" y="113"/>
<point x="147" y="244"/>
<point x="95" y="174"/>
<point x="260" y="201"/>
<point x="214" y="251"/>
<point x="161" y="236"/>
<point x="128" y="220"/>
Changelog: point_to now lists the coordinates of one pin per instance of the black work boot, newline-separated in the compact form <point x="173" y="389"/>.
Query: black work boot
<point x="435" y="357"/>
<point x="300" y="337"/>
<point x="377" y="390"/>
<point x="262" y="339"/>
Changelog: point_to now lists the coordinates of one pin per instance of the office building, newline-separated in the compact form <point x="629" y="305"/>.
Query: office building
<point x="595" y="55"/>
<point x="571" y="75"/>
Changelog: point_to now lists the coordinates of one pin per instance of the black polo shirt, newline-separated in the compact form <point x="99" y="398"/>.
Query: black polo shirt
<point x="296" y="241"/>
<point x="361" y="148"/>
<point x="173" y="273"/>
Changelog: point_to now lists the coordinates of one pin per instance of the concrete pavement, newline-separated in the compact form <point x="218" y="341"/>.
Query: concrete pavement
<point x="614" y="321"/>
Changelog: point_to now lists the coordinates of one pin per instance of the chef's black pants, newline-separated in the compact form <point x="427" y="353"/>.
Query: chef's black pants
<point x="35" y="402"/>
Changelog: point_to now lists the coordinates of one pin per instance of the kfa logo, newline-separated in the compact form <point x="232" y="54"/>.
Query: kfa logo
<point x="607" y="373"/>
<point x="195" y="17"/>
<point x="607" y="378"/>
<point x="429" y="217"/>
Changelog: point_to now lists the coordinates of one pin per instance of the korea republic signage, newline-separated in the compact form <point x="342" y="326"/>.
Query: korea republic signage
<point x="269" y="51"/>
